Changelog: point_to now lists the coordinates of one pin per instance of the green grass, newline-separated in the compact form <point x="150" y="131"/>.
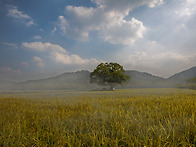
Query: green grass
<point x="138" y="117"/>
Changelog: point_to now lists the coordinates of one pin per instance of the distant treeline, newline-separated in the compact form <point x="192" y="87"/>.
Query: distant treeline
<point x="190" y="84"/>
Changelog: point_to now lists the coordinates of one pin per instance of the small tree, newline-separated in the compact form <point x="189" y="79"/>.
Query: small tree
<point x="192" y="80"/>
<point x="191" y="83"/>
<point x="109" y="74"/>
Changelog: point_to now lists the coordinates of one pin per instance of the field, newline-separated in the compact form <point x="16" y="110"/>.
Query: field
<point x="132" y="117"/>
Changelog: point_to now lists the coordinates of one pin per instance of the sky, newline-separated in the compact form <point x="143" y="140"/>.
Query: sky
<point x="44" y="38"/>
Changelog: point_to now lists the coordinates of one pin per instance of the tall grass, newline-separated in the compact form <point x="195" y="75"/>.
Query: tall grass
<point x="141" y="117"/>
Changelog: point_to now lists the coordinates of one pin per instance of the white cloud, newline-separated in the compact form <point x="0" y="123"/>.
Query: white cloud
<point x="37" y="37"/>
<point x="108" y="19"/>
<point x="12" y="45"/>
<point x="38" y="61"/>
<point x="191" y="1"/>
<point x="15" y="13"/>
<point x="62" y="24"/>
<point x="187" y="8"/>
<point x="163" y="64"/>
<point x="25" y="64"/>
<point x="30" y="23"/>
<point x="9" y="70"/>
<point x="122" y="34"/>
<point x="66" y="59"/>
<point x="156" y="54"/>
<point x="81" y="11"/>
<point x="126" y="5"/>
<point x="71" y="59"/>
<point x="153" y="59"/>
<point x="54" y="30"/>
<point x="73" y="29"/>
<point x="155" y="3"/>
<point x="39" y="46"/>
<point x="9" y="73"/>
<point x="57" y="54"/>
<point x="19" y="15"/>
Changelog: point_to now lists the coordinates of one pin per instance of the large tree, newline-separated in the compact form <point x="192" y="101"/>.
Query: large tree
<point x="109" y="74"/>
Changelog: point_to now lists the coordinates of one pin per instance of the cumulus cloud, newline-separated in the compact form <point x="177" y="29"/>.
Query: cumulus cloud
<point x="41" y="47"/>
<point x="19" y="15"/>
<point x="108" y="19"/>
<point x="124" y="33"/>
<point x="38" y="61"/>
<point x="126" y="5"/>
<point x="57" y="54"/>
<point x="62" y="23"/>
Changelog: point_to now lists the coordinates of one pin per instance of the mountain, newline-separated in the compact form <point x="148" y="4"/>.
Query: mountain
<point x="144" y="80"/>
<point x="182" y="77"/>
<point x="80" y="81"/>
<point x="69" y="81"/>
<point x="5" y="84"/>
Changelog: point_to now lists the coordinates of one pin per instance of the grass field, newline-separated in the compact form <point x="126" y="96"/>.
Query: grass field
<point x="137" y="117"/>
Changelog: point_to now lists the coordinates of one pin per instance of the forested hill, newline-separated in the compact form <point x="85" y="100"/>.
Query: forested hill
<point x="80" y="81"/>
<point x="183" y="76"/>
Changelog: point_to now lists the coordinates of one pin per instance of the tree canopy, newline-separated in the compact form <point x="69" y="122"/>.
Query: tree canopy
<point x="192" y="80"/>
<point x="191" y="83"/>
<point x="109" y="74"/>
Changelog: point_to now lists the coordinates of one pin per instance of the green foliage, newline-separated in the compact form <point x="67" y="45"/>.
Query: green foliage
<point x="192" y="80"/>
<point x="109" y="74"/>
<point x="140" y="117"/>
<point x="190" y="84"/>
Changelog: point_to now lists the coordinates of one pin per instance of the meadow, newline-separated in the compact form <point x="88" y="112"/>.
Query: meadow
<point x="132" y="117"/>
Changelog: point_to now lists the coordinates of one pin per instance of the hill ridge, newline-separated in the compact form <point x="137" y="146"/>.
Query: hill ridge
<point x="79" y="80"/>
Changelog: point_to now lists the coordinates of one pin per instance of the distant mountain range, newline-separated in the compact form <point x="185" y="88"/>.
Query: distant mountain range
<point x="80" y="81"/>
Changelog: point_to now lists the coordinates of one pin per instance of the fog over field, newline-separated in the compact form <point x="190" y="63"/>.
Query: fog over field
<point x="42" y="39"/>
<point x="98" y="73"/>
<point x="80" y="80"/>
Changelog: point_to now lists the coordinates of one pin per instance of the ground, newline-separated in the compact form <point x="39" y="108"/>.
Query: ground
<point x="131" y="117"/>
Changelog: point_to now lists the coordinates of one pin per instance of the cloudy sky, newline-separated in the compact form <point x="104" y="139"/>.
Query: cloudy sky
<point x="43" y="38"/>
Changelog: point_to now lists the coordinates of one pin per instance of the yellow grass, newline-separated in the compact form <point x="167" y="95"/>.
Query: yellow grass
<point x="139" y="117"/>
